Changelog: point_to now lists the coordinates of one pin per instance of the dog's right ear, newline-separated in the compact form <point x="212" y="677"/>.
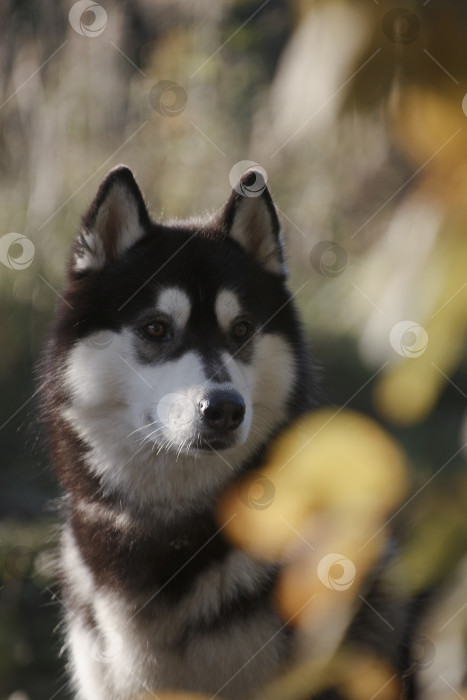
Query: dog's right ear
<point x="250" y="218"/>
<point x="116" y="220"/>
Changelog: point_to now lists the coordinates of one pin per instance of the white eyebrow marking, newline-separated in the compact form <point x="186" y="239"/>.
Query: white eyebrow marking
<point x="175" y="303"/>
<point x="227" y="308"/>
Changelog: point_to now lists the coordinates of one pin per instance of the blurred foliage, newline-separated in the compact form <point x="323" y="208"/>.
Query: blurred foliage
<point x="357" y="112"/>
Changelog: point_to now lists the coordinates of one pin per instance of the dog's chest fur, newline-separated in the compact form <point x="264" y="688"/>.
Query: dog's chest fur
<point x="154" y="605"/>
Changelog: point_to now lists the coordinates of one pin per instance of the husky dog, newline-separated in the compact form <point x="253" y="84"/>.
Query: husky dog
<point x="175" y="358"/>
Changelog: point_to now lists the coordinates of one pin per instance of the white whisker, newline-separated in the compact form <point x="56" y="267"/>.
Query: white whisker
<point x="143" y="427"/>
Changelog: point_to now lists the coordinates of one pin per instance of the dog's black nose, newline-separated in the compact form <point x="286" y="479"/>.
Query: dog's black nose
<point x="223" y="410"/>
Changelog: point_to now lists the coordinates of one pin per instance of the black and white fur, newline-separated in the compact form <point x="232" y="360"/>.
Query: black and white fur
<point x="156" y="596"/>
<point x="146" y="432"/>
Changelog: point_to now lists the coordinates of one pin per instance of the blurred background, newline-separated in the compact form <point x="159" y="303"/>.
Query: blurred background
<point x="357" y="111"/>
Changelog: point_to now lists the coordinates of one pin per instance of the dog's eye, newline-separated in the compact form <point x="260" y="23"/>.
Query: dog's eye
<point x="240" y="330"/>
<point x="157" y="329"/>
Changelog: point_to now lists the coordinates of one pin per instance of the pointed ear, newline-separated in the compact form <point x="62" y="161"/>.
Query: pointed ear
<point x="251" y="219"/>
<point x="116" y="219"/>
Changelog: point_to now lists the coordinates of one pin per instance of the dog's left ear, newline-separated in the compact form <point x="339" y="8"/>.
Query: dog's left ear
<point x="251" y="219"/>
<point x="116" y="219"/>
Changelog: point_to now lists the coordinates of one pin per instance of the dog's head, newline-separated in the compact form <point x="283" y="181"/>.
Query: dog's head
<point x="180" y="336"/>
